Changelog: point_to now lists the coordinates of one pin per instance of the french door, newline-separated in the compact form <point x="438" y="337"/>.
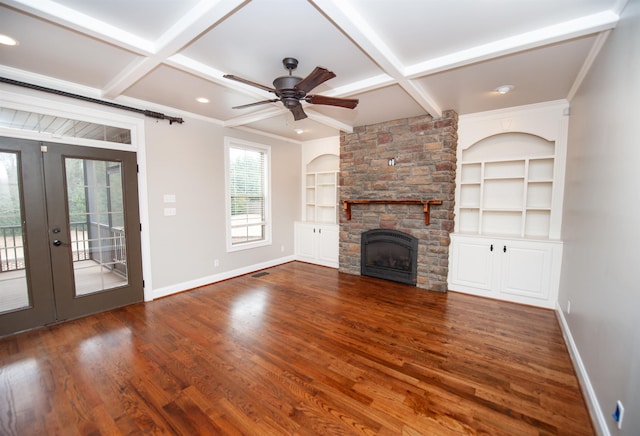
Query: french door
<point x="69" y="232"/>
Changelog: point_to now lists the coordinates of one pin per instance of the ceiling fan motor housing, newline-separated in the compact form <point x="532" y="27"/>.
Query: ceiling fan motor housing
<point x="285" y="89"/>
<point x="286" y="82"/>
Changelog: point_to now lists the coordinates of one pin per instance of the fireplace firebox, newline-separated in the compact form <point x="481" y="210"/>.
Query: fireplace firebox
<point x="389" y="254"/>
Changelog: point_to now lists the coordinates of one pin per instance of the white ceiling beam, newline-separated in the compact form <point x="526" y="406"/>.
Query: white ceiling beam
<point x="583" y="26"/>
<point x="84" y="24"/>
<point x="361" y="86"/>
<point x="129" y="75"/>
<point x="48" y="82"/>
<point x="358" y="30"/>
<point x="269" y="135"/>
<point x="201" y="17"/>
<point x="328" y="121"/>
<point x="213" y="75"/>
<point x="272" y="111"/>
<point x="275" y="111"/>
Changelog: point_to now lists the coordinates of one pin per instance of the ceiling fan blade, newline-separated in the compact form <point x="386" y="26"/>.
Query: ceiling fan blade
<point x="256" y="103"/>
<point x="248" y="82"/>
<point x="298" y="112"/>
<point x="349" y="103"/>
<point x="317" y="76"/>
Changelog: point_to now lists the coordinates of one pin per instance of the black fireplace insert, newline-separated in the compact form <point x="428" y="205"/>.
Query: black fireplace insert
<point x="389" y="254"/>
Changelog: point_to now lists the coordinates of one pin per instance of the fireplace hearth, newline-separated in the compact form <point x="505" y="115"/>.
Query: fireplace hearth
<point x="389" y="254"/>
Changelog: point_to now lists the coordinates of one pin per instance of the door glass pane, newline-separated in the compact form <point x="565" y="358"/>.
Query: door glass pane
<point x="13" y="281"/>
<point x="96" y="220"/>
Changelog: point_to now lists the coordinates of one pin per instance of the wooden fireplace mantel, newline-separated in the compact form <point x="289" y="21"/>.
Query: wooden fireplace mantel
<point x="425" y="205"/>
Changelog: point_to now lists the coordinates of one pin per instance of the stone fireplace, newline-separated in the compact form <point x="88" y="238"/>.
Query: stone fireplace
<point x="410" y="159"/>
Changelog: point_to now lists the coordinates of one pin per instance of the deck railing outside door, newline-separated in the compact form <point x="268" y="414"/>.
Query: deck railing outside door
<point x="12" y="248"/>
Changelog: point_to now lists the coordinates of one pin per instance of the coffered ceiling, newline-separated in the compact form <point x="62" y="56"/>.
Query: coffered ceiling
<point x="400" y="58"/>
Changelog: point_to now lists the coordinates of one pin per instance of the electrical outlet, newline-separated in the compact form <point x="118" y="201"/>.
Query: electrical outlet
<point x="568" y="307"/>
<point x="282" y="248"/>
<point x="216" y="263"/>
<point x="618" y="414"/>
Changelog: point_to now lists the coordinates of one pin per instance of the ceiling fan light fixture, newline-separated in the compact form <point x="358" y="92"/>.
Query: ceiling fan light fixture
<point x="299" y="131"/>
<point x="504" y="89"/>
<point x="202" y="100"/>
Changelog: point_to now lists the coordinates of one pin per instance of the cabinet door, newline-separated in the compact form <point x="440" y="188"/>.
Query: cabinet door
<point x="526" y="269"/>
<point x="305" y="241"/>
<point x="472" y="263"/>
<point x="328" y="244"/>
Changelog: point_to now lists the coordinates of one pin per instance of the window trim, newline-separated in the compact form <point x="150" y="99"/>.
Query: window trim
<point x="230" y="143"/>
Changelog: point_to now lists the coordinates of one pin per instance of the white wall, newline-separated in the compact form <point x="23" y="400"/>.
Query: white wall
<point x="601" y="225"/>
<point x="188" y="161"/>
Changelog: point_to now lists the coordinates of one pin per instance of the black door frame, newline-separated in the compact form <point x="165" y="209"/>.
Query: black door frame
<point x="42" y="167"/>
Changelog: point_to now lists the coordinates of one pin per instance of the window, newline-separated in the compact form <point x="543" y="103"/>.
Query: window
<point x="62" y="127"/>
<point x="247" y="194"/>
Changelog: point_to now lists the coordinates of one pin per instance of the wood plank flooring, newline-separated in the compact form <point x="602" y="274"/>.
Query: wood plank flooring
<point x="302" y="350"/>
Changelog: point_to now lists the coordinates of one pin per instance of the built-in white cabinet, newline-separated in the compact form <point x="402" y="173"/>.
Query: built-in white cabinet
<point x="509" y="188"/>
<point x="317" y="235"/>
<point x="516" y="270"/>
<point x="317" y="243"/>
<point x="321" y="196"/>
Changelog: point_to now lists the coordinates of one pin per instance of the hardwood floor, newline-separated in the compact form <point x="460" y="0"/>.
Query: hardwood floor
<point x="301" y="350"/>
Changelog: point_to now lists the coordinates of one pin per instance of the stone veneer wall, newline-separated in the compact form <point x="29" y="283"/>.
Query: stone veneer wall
<point x="424" y="150"/>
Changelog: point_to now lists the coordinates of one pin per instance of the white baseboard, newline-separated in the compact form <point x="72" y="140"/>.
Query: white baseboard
<point x="184" y="286"/>
<point x="593" y="405"/>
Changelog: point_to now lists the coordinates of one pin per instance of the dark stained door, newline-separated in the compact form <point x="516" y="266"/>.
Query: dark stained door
<point x="70" y="232"/>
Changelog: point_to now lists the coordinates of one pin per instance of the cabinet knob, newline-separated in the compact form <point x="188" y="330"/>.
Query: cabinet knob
<point x="504" y="249"/>
<point x="491" y="248"/>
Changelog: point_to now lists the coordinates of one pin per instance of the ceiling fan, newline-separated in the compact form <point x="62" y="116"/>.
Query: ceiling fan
<point x="291" y="90"/>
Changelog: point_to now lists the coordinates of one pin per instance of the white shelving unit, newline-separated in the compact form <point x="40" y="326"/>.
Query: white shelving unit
<point x="321" y="201"/>
<point x="507" y="197"/>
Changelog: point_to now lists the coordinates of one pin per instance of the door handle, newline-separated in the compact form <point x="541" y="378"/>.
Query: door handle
<point x="491" y="248"/>
<point x="504" y="249"/>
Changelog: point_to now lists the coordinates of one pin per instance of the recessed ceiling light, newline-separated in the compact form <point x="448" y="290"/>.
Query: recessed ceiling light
<point x="503" y="89"/>
<point x="7" y="40"/>
<point x="299" y="131"/>
<point x="202" y="100"/>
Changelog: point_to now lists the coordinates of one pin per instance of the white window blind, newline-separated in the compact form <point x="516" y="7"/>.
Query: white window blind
<point x="247" y="195"/>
